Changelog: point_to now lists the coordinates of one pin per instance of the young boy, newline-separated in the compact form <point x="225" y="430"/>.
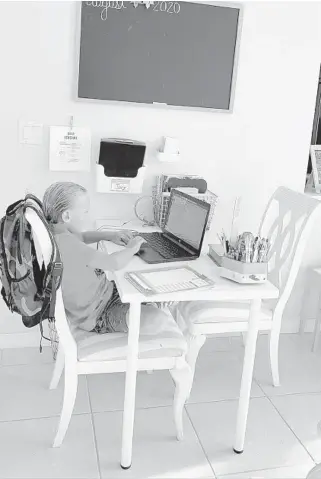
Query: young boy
<point x="92" y="302"/>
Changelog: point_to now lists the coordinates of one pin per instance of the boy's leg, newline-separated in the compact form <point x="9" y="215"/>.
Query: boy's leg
<point x="152" y="320"/>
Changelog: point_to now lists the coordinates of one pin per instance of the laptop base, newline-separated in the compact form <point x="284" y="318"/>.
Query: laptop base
<point x="151" y="256"/>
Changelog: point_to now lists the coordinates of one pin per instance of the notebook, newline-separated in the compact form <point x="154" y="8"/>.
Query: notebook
<point x="168" y="280"/>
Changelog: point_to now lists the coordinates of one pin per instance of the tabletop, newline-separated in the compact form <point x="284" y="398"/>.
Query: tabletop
<point x="223" y="290"/>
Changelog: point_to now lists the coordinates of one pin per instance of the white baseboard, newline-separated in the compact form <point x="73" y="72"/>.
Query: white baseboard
<point x="26" y="339"/>
<point x="31" y="338"/>
<point x="21" y="340"/>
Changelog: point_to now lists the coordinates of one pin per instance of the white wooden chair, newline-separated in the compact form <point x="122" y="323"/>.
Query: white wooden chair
<point x="287" y="221"/>
<point x="82" y="352"/>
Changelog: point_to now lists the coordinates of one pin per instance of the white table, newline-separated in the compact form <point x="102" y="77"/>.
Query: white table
<point x="224" y="290"/>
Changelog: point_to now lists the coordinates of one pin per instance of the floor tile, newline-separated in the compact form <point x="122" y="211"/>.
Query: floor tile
<point x="269" y="441"/>
<point x="295" y="472"/>
<point x="16" y="356"/>
<point x="217" y="377"/>
<point x="26" y="451"/>
<point x="304" y="341"/>
<point x="156" y="452"/>
<point x="107" y="390"/>
<point x="25" y="393"/>
<point x="299" y="367"/>
<point x="218" y="343"/>
<point x="302" y="412"/>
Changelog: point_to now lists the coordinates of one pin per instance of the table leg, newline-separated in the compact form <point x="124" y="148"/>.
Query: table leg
<point x="316" y="333"/>
<point x="130" y="386"/>
<point x="247" y="375"/>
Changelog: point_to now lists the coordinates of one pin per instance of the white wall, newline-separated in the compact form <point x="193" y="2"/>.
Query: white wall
<point x="263" y="144"/>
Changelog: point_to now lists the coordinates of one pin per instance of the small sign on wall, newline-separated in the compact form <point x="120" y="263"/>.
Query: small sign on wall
<point x="30" y="133"/>
<point x="69" y="148"/>
<point x="121" y="185"/>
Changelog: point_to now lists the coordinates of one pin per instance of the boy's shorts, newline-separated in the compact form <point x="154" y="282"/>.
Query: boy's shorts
<point x="114" y="317"/>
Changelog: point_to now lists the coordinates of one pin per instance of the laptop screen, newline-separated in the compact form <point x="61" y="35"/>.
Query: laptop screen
<point x="186" y="219"/>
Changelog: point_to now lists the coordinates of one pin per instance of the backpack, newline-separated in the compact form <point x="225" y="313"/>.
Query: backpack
<point x="27" y="288"/>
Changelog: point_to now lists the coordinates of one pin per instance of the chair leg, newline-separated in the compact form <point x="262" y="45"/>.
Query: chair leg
<point x="183" y="378"/>
<point x="303" y="322"/>
<point x="59" y="366"/>
<point x="274" y="356"/>
<point x="194" y="345"/>
<point x="316" y="333"/>
<point x="70" y="392"/>
<point x="243" y="334"/>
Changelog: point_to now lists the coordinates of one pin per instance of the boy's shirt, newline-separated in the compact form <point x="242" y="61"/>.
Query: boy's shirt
<point x="85" y="290"/>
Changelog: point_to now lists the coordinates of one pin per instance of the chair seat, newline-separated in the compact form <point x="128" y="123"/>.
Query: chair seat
<point x="170" y="342"/>
<point x="202" y="312"/>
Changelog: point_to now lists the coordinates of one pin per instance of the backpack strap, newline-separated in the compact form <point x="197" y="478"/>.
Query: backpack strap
<point x="4" y="297"/>
<point x="54" y="269"/>
<point x="56" y="281"/>
<point x="50" y="295"/>
<point x="13" y="208"/>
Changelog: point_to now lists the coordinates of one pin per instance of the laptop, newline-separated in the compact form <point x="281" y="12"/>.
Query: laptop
<point x="183" y="232"/>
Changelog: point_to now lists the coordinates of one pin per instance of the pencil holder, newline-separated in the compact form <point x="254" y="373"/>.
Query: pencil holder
<point x="246" y="273"/>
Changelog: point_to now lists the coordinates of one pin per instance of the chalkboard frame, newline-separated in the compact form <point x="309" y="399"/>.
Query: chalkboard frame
<point x="224" y="4"/>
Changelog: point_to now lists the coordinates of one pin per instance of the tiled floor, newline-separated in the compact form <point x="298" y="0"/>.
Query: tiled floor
<point x="281" y="442"/>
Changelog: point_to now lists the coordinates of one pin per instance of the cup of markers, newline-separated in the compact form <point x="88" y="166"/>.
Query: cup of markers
<point x="245" y="260"/>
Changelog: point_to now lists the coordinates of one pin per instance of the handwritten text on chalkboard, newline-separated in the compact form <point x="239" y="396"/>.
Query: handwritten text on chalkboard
<point x="165" y="7"/>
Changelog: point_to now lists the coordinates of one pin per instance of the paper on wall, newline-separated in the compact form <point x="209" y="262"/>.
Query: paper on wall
<point x="30" y="133"/>
<point x="69" y="149"/>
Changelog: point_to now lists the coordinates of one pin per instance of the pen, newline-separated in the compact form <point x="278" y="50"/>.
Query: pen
<point x="224" y="243"/>
<point x="220" y="239"/>
<point x="255" y="250"/>
<point x="268" y="246"/>
<point x="262" y="249"/>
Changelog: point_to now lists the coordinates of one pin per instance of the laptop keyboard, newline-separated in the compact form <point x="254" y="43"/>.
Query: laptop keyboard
<point x="165" y="247"/>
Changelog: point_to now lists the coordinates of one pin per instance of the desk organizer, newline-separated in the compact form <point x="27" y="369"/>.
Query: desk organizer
<point x="216" y="253"/>
<point x="161" y="200"/>
<point x="246" y="273"/>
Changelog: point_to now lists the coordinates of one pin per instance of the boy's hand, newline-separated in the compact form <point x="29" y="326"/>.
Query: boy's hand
<point x="122" y="237"/>
<point x="136" y="243"/>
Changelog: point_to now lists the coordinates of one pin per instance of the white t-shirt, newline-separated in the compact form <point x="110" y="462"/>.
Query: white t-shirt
<point x="85" y="290"/>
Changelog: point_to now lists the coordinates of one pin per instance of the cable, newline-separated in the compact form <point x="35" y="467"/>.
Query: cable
<point x="106" y="227"/>
<point x="144" y="220"/>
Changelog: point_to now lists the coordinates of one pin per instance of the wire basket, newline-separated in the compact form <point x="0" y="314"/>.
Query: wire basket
<point x="161" y="201"/>
<point x="54" y="338"/>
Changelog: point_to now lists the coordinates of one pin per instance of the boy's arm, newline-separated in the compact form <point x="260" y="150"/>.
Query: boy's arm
<point x="90" y="237"/>
<point x="118" y="260"/>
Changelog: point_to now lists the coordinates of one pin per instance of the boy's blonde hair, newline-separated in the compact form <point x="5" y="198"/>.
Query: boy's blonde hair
<point x="58" y="198"/>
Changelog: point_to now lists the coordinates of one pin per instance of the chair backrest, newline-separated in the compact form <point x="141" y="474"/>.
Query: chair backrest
<point x="287" y="222"/>
<point x="43" y="251"/>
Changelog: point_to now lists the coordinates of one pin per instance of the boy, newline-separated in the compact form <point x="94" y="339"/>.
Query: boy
<point x="92" y="302"/>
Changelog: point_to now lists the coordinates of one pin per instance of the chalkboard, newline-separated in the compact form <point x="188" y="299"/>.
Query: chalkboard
<point x="154" y="55"/>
